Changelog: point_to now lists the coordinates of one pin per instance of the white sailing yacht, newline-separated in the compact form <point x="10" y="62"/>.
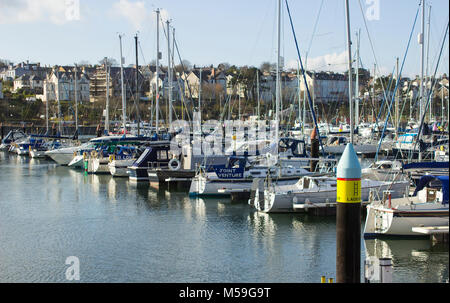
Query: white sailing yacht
<point x="427" y="207"/>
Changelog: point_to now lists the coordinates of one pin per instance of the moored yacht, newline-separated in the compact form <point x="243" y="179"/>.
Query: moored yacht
<point x="315" y="191"/>
<point x="427" y="207"/>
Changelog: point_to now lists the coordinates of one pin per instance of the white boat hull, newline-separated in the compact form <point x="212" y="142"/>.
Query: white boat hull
<point x="77" y="162"/>
<point x="120" y="168"/>
<point x="291" y="201"/>
<point x="399" y="221"/>
<point x="99" y="165"/>
<point x="37" y="154"/>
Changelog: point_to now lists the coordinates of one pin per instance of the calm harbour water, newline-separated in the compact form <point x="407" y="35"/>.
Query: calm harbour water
<point x="125" y="232"/>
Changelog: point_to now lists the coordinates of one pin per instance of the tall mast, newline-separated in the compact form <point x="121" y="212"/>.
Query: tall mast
<point x="59" y="106"/>
<point x="173" y="67"/>
<point x="397" y="101"/>
<point x="358" y="36"/>
<point x="138" y="96"/>
<point x="200" y="94"/>
<point x="257" y="94"/>
<point x="107" y="69"/>
<point x="427" y="75"/>
<point x="169" y="72"/>
<point x="46" y="113"/>
<point x="157" y="71"/>
<point x="350" y="73"/>
<point x="239" y="98"/>
<point x="373" y="94"/>
<point x="277" y="97"/>
<point x="421" y="42"/>
<point x="76" y="99"/>
<point x="299" y="96"/>
<point x="124" y="112"/>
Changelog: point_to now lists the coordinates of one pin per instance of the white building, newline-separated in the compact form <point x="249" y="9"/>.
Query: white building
<point x="25" y="68"/>
<point x="33" y="82"/>
<point x="61" y="83"/>
<point x="326" y="87"/>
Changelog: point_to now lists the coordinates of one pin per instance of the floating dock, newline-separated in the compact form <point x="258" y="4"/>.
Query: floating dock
<point x="438" y="234"/>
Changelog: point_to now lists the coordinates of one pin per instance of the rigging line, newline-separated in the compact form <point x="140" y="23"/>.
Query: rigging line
<point x="391" y="78"/>
<point x="396" y="85"/>
<point x="371" y="44"/>
<point x="184" y="73"/>
<point x="404" y="102"/>
<point x="304" y="78"/>
<point x="437" y="51"/>
<point x="430" y="91"/>
<point x="260" y="29"/>
<point x="313" y="34"/>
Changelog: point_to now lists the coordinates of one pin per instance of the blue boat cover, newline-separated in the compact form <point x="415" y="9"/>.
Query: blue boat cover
<point x="425" y="165"/>
<point x="425" y="180"/>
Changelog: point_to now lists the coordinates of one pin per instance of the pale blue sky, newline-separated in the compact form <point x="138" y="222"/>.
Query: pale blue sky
<point x="241" y="32"/>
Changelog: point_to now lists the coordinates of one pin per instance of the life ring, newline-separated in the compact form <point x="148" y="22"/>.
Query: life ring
<point x="172" y="162"/>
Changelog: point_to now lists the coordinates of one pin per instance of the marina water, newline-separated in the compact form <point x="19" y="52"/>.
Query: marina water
<point x="127" y="232"/>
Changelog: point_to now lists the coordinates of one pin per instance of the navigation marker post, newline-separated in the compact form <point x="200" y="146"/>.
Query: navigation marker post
<point x="348" y="218"/>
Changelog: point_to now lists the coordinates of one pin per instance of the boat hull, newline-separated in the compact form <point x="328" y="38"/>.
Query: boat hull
<point x="295" y="201"/>
<point x="384" y="221"/>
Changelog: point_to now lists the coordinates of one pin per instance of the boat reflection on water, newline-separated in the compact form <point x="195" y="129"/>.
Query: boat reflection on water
<point x="113" y="190"/>
<point x="414" y="261"/>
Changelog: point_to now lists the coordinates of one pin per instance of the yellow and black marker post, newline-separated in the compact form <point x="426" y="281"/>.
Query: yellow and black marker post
<point x="348" y="218"/>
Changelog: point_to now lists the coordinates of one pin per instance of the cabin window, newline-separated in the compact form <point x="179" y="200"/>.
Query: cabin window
<point x="306" y="183"/>
<point x="300" y="148"/>
<point x="162" y="155"/>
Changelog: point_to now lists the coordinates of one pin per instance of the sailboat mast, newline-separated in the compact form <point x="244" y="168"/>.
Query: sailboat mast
<point x="138" y="95"/>
<point x="157" y="71"/>
<point x="200" y="94"/>
<point x="350" y="73"/>
<point x="124" y="113"/>
<point x="257" y="94"/>
<point x="277" y="96"/>
<point x="358" y="36"/>
<point x="59" y="106"/>
<point x="169" y="72"/>
<point x="107" y="69"/>
<point x="46" y="115"/>
<point x="421" y="42"/>
<point x="427" y="75"/>
<point x="397" y="102"/>
<point x="422" y="46"/>
<point x="299" y="96"/>
<point x="76" y="99"/>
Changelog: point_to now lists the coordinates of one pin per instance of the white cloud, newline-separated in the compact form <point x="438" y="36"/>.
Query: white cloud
<point x="26" y="11"/>
<point x="335" y="62"/>
<point x="137" y="14"/>
<point x="329" y="62"/>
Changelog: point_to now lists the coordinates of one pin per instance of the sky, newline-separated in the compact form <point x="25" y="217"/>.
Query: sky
<point x="209" y="32"/>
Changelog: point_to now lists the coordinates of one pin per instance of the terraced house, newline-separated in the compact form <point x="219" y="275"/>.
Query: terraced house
<point x="60" y="85"/>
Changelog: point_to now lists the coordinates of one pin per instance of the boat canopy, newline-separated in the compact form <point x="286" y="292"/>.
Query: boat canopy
<point x="422" y="165"/>
<point x="425" y="180"/>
